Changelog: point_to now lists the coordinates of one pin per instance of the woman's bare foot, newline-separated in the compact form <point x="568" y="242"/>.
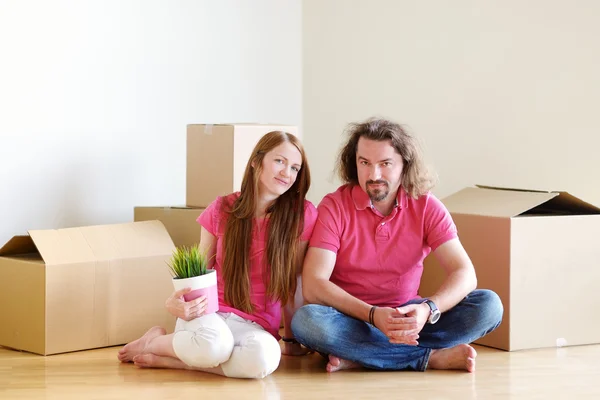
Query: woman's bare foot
<point x="136" y="347"/>
<point x="147" y="360"/>
<point x="337" y="364"/>
<point x="458" y="357"/>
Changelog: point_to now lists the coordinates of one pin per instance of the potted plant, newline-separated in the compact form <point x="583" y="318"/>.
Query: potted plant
<point x="189" y="267"/>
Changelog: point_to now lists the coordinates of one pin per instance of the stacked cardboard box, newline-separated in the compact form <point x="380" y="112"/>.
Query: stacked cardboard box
<point x="539" y="252"/>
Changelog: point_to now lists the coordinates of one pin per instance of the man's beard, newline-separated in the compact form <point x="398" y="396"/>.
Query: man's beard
<point x="378" y="194"/>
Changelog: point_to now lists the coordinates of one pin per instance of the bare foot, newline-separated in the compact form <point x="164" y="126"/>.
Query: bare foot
<point x="337" y="364"/>
<point x="458" y="357"/>
<point x="148" y="360"/>
<point x="136" y="347"/>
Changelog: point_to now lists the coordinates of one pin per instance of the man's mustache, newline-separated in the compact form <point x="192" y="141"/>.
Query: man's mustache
<point x="370" y="182"/>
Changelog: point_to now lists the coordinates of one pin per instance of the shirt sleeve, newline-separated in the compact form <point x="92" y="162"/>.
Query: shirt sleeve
<point x="310" y="219"/>
<point x="210" y="217"/>
<point x="439" y="226"/>
<point x="327" y="232"/>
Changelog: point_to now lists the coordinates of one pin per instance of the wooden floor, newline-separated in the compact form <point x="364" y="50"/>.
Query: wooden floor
<point x="563" y="373"/>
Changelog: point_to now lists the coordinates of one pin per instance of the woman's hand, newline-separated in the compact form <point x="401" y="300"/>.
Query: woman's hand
<point x="186" y="310"/>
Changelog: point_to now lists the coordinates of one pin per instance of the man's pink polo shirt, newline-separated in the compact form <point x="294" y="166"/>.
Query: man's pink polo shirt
<point x="380" y="258"/>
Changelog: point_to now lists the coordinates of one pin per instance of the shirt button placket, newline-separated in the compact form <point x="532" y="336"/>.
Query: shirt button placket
<point x="382" y="232"/>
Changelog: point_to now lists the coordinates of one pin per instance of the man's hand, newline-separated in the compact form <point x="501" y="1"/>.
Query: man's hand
<point x="420" y="313"/>
<point x="401" y="325"/>
<point x="177" y="306"/>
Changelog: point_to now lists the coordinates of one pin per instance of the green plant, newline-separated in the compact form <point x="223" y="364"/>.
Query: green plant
<point x="188" y="262"/>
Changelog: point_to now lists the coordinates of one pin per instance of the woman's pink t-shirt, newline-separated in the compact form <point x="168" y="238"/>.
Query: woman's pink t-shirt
<point x="267" y="311"/>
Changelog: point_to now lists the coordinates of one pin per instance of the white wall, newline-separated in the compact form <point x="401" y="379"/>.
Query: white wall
<point x="500" y="92"/>
<point x="95" y="97"/>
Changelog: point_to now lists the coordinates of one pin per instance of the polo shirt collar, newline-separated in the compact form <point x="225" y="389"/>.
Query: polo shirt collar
<point x="362" y="201"/>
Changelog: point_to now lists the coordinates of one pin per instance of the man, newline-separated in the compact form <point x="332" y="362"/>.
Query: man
<point x="364" y="265"/>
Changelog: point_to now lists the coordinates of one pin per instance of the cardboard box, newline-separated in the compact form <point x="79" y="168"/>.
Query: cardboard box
<point x="179" y="221"/>
<point x="83" y="288"/>
<point x="540" y="252"/>
<point x="217" y="156"/>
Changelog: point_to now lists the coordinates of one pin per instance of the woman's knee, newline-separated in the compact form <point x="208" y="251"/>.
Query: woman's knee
<point x="256" y="357"/>
<point x="267" y="359"/>
<point x="205" y="349"/>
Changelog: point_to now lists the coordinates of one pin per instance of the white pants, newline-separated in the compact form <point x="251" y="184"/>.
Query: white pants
<point x="242" y="348"/>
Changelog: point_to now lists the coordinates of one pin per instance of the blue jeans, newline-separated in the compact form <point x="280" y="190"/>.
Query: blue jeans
<point x="328" y="331"/>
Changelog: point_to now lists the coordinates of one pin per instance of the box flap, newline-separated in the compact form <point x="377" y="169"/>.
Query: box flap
<point x="509" y="202"/>
<point x="495" y="202"/>
<point x="131" y="240"/>
<point x="102" y="242"/>
<point x="18" y="245"/>
<point x="565" y="204"/>
<point x="62" y="246"/>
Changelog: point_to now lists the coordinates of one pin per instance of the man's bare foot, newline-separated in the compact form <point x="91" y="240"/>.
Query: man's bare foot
<point x="458" y="357"/>
<point x="136" y="347"/>
<point x="337" y="364"/>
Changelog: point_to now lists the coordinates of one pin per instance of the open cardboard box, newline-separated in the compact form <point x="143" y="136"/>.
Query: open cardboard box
<point x="540" y="252"/>
<point x="82" y="288"/>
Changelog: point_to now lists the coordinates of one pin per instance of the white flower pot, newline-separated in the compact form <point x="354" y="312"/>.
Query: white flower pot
<point x="203" y="285"/>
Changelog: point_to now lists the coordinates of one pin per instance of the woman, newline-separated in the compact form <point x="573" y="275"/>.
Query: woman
<point x="259" y="237"/>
